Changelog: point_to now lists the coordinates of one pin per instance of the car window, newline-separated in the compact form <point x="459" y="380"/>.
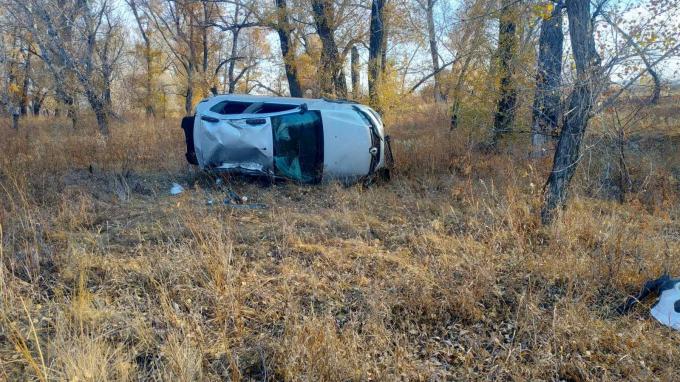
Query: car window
<point x="275" y="108"/>
<point x="237" y="107"/>
<point x="298" y="146"/>
<point x="230" y="107"/>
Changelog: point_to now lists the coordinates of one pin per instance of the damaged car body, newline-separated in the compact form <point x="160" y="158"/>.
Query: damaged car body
<point x="304" y="140"/>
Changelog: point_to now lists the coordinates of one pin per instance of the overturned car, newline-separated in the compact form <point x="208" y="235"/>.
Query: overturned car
<point x="304" y="140"/>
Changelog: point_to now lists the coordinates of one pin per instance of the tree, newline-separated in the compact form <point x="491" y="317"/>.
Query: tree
<point x="504" y="117"/>
<point x="283" y="30"/>
<point x="91" y="60"/>
<point x="428" y="7"/>
<point x="10" y="58"/>
<point x="656" y="92"/>
<point x="331" y="74"/>
<point x="237" y="24"/>
<point x="588" y="73"/>
<point x="180" y="26"/>
<point x="24" y="16"/>
<point x="472" y="36"/>
<point x="26" y="81"/>
<point x="546" y="109"/>
<point x="149" y="57"/>
<point x="354" y="69"/>
<point x="377" y="42"/>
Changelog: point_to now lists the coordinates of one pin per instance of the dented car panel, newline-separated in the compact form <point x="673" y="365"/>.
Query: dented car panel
<point x="227" y="143"/>
<point x="306" y="140"/>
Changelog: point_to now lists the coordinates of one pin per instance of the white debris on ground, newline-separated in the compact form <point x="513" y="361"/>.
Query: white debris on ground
<point x="176" y="189"/>
<point x="236" y="201"/>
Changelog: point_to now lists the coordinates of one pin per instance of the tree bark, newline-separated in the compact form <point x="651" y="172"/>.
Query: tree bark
<point x="284" y="30"/>
<point x="15" y="119"/>
<point x="457" y="90"/>
<point x="546" y="109"/>
<point x="189" y="96"/>
<point x="375" y="50"/>
<point x="37" y="103"/>
<point x="23" y="101"/>
<point x="149" y="100"/>
<point x="68" y="101"/>
<point x="332" y="76"/>
<point x="504" y="117"/>
<point x="354" y="64"/>
<point x="581" y="101"/>
<point x="383" y="45"/>
<point x="232" y="63"/>
<point x="100" y="109"/>
<point x="434" y="51"/>
<point x="205" y="43"/>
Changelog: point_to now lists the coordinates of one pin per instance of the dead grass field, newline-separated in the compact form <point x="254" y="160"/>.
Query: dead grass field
<point x="442" y="274"/>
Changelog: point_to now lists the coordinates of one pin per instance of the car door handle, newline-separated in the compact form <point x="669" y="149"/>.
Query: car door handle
<point x="209" y="119"/>
<point x="257" y="121"/>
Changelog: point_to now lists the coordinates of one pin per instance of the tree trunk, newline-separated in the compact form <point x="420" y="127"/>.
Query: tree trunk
<point x="23" y="101"/>
<point x="283" y="29"/>
<point x="232" y="62"/>
<point x="507" y="46"/>
<point x="354" y="64"/>
<point x="69" y="102"/>
<point x="656" y="92"/>
<point x="581" y="101"/>
<point x="189" y="99"/>
<point x="15" y="118"/>
<point x="38" y="102"/>
<point x="149" y="99"/>
<point x="204" y="37"/>
<point x="383" y="46"/>
<point x="189" y="95"/>
<point x="101" y="113"/>
<point x="102" y="120"/>
<point x="434" y="52"/>
<point x="375" y="50"/>
<point x="546" y="109"/>
<point x="455" y="108"/>
<point x="332" y="76"/>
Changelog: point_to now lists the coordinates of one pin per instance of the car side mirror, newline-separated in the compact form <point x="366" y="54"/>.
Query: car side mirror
<point x="303" y="108"/>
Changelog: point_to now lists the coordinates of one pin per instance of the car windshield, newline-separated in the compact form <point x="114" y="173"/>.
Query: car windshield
<point x="298" y="146"/>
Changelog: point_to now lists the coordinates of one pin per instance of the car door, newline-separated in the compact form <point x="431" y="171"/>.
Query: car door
<point x="298" y="145"/>
<point x="234" y="142"/>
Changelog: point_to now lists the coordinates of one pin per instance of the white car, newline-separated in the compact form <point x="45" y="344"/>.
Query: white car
<point x="305" y="140"/>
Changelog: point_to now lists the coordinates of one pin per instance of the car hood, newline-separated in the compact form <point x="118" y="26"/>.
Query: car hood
<point x="347" y="142"/>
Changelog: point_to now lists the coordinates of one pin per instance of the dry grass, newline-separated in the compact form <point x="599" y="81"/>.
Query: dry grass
<point x="444" y="273"/>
